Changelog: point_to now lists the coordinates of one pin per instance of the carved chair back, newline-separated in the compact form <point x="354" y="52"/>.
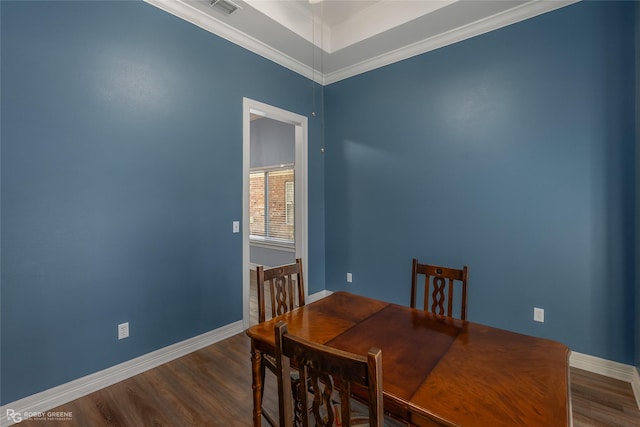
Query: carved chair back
<point x="286" y="288"/>
<point x="326" y="377"/>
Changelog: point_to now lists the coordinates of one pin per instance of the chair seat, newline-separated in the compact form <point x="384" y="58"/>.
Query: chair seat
<point x="359" y="419"/>
<point x="359" y="415"/>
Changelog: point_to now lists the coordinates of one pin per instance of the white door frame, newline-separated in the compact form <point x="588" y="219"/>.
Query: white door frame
<point x="250" y="106"/>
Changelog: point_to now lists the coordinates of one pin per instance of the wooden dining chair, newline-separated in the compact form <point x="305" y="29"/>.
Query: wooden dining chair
<point x="436" y="279"/>
<point x="327" y="374"/>
<point x="286" y="290"/>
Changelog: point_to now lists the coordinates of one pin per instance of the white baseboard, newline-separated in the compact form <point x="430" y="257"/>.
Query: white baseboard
<point x="608" y="368"/>
<point x="635" y="385"/>
<point x="318" y="296"/>
<point x="56" y="396"/>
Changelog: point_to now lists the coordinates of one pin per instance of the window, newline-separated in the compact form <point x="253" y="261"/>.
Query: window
<point x="288" y="199"/>
<point x="272" y="205"/>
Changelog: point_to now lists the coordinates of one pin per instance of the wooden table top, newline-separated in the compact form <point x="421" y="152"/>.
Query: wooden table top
<point x="438" y="370"/>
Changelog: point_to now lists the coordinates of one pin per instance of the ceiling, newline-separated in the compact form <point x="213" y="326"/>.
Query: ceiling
<point x="330" y="40"/>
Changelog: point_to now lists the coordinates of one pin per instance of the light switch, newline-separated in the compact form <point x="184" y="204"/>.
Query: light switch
<point x="236" y="226"/>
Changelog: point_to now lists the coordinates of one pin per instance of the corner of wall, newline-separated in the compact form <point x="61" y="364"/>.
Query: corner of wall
<point x="637" y="207"/>
<point x="635" y="385"/>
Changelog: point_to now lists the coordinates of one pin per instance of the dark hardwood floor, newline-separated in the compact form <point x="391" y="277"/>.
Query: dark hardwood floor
<point x="212" y="387"/>
<point x="602" y="401"/>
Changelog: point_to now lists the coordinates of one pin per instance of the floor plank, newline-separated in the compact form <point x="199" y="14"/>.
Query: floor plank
<point x="602" y="401"/>
<point x="212" y="387"/>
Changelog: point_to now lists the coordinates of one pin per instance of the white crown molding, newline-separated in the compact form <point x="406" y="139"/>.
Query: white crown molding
<point x="183" y="10"/>
<point x="196" y="17"/>
<point x="500" y="20"/>
<point x="56" y="396"/>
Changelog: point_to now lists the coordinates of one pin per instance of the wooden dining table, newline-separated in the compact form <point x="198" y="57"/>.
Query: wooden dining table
<point x="437" y="371"/>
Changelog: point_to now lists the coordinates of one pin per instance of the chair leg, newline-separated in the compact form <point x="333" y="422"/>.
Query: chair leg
<point x="262" y="376"/>
<point x="265" y="414"/>
<point x="295" y="390"/>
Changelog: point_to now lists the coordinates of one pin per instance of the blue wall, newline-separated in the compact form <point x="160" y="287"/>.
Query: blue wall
<point x="512" y="153"/>
<point x="121" y="173"/>
<point x="637" y="187"/>
<point x="121" y="176"/>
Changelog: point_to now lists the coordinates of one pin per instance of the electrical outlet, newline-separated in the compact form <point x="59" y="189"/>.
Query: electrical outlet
<point x="123" y="330"/>
<point x="538" y="314"/>
<point x="349" y="278"/>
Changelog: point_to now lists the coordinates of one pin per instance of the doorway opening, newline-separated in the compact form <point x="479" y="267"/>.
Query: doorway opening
<point x="274" y="201"/>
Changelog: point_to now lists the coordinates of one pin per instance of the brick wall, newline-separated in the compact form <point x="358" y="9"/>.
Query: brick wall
<point x="281" y="223"/>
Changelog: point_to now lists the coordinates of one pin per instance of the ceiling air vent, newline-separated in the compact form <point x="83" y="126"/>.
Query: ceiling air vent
<point x="224" y="6"/>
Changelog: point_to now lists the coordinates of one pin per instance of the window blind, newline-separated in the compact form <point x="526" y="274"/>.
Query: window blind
<point x="272" y="204"/>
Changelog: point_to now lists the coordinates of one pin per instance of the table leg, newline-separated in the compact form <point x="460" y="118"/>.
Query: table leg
<point x="256" y="362"/>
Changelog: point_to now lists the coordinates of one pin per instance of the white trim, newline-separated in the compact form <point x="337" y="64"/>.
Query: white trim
<point x="318" y="296"/>
<point x="635" y="385"/>
<point x="271" y="245"/>
<point x="608" y="368"/>
<point x="200" y="19"/>
<point x="302" y="194"/>
<point x="59" y="395"/>
<point x="301" y="186"/>
<point x="191" y="14"/>
<point x="56" y="396"/>
<point x="500" y="20"/>
<point x="601" y="366"/>
<point x="65" y="393"/>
